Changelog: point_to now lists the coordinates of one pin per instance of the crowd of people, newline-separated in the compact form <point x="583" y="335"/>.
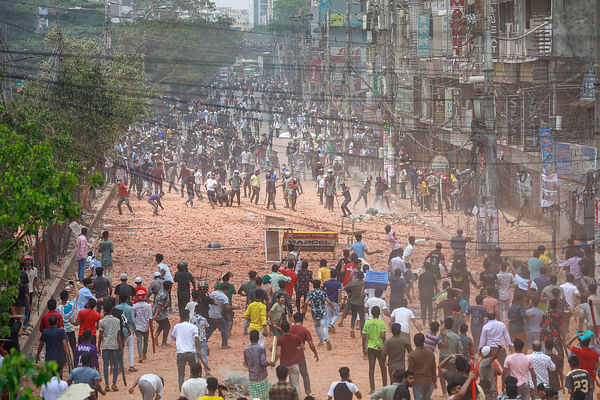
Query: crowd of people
<point x="512" y="339"/>
<point x="513" y="342"/>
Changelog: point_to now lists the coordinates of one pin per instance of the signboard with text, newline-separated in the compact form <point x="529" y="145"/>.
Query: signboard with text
<point x="310" y="241"/>
<point x="423" y="38"/>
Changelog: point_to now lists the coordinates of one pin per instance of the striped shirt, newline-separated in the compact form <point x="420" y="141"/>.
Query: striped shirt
<point x="431" y="341"/>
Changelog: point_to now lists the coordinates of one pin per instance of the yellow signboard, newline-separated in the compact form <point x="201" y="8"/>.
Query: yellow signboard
<point x="336" y="20"/>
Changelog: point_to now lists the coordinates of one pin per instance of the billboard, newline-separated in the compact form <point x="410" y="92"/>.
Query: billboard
<point x="423" y="39"/>
<point x="310" y="241"/>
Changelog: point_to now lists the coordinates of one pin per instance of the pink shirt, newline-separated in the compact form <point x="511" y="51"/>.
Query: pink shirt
<point x="519" y="365"/>
<point x="82" y="247"/>
<point x="394" y="244"/>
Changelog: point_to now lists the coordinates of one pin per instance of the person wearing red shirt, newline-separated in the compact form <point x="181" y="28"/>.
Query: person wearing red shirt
<point x="138" y="287"/>
<point x="305" y="337"/>
<point x="87" y="319"/>
<point x="289" y="271"/>
<point x="44" y="324"/>
<point x="158" y="174"/>
<point x="588" y="358"/>
<point x="123" y="197"/>
<point x="287" y="352"/>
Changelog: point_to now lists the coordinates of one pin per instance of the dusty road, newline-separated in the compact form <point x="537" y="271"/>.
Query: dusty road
<point x="180" y="232"/>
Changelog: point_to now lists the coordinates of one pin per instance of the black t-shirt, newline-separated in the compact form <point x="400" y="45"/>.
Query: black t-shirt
<point x="101" y="285"/>
<point x="183" y="279"/>
<point x="488" y="279"/>
<point x="461" y="279"/>
<point x="252" y="295"/>
<point x="402" y="392"/>
<point x="125" y="288"/>
<point x="53" y="338"/>
<point x="21" y="299"/>
<point x="339" y="268"/>
<point x="427" y="284"/>
<point x="203" y="303"/>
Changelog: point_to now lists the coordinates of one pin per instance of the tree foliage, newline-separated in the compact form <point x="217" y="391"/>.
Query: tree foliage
<point x="284" y="10"/>
<point x="87" y="104"/>
<point x="179" y="54"/>
<point x="17" y="366"/>
<point x="33" y="193"/>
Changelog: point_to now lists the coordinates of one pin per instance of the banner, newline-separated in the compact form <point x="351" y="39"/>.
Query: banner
<point x="310" y="241"/>
<point x="423" y="39"/>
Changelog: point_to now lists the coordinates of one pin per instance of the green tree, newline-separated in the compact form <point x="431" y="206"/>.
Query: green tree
<point x="33" y="194"/>
<point x="15" y="367"/>
<point x="179" y="55"/>
<point x="284" y="10"/>
<point x="85" y="107"/>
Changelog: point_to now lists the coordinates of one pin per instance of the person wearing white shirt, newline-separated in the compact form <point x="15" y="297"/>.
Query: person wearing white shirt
<point x="187" y="341"/>
<point x="494" y="334"/>
<point x="542" y="363"/>
<point x="571" y="291"/>
<point x="195" y="387"/>
<point x="150" y="385"/>
<point x="53" y="389"/>
<point x="165" y="273"/>
<point x="211" y="189"/>
<point x="407" y="255"/>
<point x="403" y="316"/>
<point x="376" y="301"/>
<point x="343" y="386"/>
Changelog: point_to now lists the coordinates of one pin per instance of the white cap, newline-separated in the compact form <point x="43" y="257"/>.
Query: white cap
<point x="156" y="274"/>
<point x="485" y="351"/>
<point x="138" y="279"/>
<point x="123" y="277"/>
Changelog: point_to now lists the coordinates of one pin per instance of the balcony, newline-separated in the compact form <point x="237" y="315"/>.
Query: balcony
<point x="529" y="46"/>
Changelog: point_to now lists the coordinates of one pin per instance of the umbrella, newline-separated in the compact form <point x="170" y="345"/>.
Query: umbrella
<point x="78" y="391"/>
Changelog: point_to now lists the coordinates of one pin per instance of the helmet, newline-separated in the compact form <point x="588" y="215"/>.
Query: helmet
<point x="330" y="171"/>
<point x="288" y="173"/>
<point x="236" y="172"/>
<point x="369" y="177"/>
<point x="182" y="264"/>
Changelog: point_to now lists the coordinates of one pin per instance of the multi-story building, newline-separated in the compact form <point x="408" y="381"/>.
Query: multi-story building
<point x="240" y="17"/>
<point x="258" y="12"/>
<point x="432" y="51"/>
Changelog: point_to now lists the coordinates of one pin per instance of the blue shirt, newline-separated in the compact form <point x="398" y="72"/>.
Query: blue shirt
<point x="332" y="288"/>
<point x="84" y="375"/>
<point x="84" y="295"/>
<point x="359" y="249"/>
<point x="154" y="197"/>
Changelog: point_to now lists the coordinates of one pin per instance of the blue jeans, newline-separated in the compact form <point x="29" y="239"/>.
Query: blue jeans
<point x="111" y="356"/>
<point x="333" y="314"/>
<point x="322" y="328"/>
<point x="221" y="325"/>
<point x="27" y="314"/>
<point x="422" y="392"/>
<point x="81" y="269"/>
<point x="204" y="353"/>
<point x="503" y="306"/>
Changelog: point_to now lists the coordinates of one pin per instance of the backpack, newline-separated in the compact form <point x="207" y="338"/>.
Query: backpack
<point x="342" y="392"/>
<point x="120" y="315"/>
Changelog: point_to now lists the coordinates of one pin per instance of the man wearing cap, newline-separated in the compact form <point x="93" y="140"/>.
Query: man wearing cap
<point x="124" y="288"/>
<point x="488" y="370"/>
<point x="142" y="311"/>
<point x="155" y="286"/>
<point x="236" y="183"/>
<point x="138" y="287"/>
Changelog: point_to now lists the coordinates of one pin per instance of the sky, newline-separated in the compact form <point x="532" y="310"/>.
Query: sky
<point x="238" y="4"/>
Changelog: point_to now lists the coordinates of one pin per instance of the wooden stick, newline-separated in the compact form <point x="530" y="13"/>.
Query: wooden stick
<point x="593" y="317"/>
<point x="274" y="349"/>
<point x="221" y="248"/>
<point x="152" y="336"/>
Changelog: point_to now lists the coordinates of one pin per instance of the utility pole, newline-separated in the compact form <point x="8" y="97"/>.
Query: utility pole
<point x="58" y="48"/>
<point x="5" y="85"/>
<point x="488" y="232"/>
<point x="347" y="79"/>
<point x="106" y="35"/>
<point x="597" y="116"/>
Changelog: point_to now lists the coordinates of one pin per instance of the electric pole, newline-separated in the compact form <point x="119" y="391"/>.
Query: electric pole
<point x="487" y="227"/>
<point x="5" y="84"/>
<point x="106" y="35"/>
<point x="597" y="112"/>
<point x="347" y="79"/>
<point x="58" y="48"/>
